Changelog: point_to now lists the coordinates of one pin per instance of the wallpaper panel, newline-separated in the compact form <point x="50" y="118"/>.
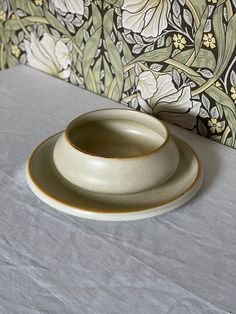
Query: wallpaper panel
<point x="174" y="59"/>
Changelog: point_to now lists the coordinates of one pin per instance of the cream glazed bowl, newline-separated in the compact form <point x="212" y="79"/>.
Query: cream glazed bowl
<point x="116" y="151"/>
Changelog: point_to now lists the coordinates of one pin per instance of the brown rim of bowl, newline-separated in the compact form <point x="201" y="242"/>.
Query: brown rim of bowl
<point x="66" y="132"/>
<point x="111" y="211"/>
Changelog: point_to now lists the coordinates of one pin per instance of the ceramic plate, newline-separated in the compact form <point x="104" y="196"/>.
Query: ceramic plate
<point x="48" y="185"/>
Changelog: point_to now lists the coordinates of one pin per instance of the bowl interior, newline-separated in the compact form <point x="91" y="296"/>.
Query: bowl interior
<point x="114" y="138"/>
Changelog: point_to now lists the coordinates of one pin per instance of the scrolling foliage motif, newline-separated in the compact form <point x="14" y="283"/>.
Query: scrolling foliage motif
<point x="174" y="59"/>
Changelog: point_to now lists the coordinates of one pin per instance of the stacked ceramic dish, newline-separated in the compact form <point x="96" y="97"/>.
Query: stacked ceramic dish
<point x="114" y="164"/>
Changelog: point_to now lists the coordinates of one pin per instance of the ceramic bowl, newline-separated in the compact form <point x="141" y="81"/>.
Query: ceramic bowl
<point x="116" y="151"/>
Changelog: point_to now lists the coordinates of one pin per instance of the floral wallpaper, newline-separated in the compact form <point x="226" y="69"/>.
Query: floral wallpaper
<point x="174" y="59"/>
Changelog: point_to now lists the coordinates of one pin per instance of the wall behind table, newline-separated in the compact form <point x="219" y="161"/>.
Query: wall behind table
<point x="174" y="59"/>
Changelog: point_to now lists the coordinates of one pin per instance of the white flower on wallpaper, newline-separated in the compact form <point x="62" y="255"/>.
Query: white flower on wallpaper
<point x="159" y="96"/>
<point x="146" y="17"/>
<point x="48" y="55"/>
<point x="70" y="6"/>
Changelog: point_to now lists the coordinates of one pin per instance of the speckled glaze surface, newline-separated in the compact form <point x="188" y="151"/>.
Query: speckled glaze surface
<point x="116" y="151"/>
<point x="48" y="185"/>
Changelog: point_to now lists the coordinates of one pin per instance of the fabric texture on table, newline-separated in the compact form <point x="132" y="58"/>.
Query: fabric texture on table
<point x="183" y="262"/>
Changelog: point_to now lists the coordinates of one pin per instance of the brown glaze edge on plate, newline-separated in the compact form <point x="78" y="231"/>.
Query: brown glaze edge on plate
<point x="96" y="210"/>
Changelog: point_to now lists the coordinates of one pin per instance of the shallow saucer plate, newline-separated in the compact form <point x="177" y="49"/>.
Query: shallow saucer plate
<point x="49" y="186"/>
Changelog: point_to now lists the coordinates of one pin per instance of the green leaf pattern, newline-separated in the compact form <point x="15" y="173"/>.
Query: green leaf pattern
<point x="175" y="59"/>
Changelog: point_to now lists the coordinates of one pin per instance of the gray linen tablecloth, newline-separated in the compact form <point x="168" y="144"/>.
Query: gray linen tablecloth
<point x="182" y="262"/>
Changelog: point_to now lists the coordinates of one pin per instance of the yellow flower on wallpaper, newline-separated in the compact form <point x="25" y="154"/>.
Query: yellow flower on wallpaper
<point x="2" y="16"/>
<point x="212" y="1"/>
<point x="179" y="41"/>
<point x="15" y="50"/>
<point x="218" y="84"/>
<point x="233" y="92"/>
<point x="48" y="55"/>
<point x="173" y="59"/>
<point x="72" y="6"/>
<point x="216" y="126"/>
<point x="146" y="17"/>
<point x="38" y="2"/>
<point x="209" y="40"/>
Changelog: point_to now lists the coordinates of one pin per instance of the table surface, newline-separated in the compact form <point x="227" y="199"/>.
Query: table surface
<point x="182" y="262"/>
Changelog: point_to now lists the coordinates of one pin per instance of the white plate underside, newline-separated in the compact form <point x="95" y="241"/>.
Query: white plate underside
<point x="49" y="186"/>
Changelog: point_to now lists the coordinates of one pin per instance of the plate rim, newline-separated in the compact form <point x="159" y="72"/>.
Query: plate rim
<point x="88" y="211"/>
